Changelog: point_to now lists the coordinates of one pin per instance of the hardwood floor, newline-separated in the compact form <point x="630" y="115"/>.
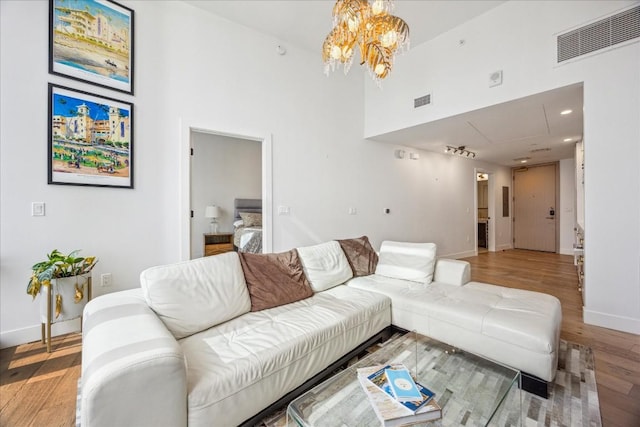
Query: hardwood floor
<point x="38" y="389"/>
<point x="617" y="354"/>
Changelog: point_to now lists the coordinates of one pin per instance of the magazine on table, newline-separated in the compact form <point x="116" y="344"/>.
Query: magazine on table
<point x="390" y="411"/>
<point x="379" y="378"/>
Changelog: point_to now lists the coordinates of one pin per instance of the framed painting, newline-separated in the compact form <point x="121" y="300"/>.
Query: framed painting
<point x="90" y="139"/>
<point x="92" y="41"/>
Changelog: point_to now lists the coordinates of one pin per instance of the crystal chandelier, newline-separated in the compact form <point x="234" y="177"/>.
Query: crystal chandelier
<point x="369" y="24"/>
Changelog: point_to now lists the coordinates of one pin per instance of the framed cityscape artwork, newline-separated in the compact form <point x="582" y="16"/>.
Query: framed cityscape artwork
<point x="92" y="41"/>
<point x="90" y="139"/>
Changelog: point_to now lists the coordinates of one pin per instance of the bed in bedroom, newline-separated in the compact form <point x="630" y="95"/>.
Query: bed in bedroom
<point x="247" y="225"/>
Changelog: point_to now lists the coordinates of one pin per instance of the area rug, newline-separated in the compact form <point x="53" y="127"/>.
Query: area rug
<point x="572" y="402"/>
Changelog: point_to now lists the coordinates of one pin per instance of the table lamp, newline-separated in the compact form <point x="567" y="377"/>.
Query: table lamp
<point x="212" y="212"/>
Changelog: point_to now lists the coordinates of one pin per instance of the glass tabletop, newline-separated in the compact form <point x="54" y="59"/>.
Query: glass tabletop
<point x="471" y="390"/>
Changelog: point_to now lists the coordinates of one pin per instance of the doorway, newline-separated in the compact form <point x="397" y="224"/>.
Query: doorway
<point x="188" y="129"/>
<point x="222" y="169"/>
<point x="482" y="184"/>
<point x="534" y="208"/>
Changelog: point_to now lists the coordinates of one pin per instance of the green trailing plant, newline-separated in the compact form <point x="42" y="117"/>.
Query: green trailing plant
<point x="56" y="266"/>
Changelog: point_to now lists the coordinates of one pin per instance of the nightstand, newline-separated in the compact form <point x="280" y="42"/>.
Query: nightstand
<point x="217" y="243"/>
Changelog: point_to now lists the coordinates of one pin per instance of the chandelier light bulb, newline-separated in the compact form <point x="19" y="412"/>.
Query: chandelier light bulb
<point x="377" y="7"/>
<point x="379" y="69"/>
<point x="336" y="52"/>
<point x="389" y="38"/>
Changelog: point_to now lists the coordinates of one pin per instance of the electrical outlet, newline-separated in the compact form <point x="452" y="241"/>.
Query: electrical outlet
<point x="106" y="279"/>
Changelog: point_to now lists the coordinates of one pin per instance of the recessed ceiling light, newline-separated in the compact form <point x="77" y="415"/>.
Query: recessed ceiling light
<point x="567" y="140"/>
<point x="523" y="161"/>
<point x="565" y="112"/>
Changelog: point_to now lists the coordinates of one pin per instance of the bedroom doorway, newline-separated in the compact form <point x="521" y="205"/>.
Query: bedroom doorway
<point x="223" y="169"/>
<point x="215" y="174"/>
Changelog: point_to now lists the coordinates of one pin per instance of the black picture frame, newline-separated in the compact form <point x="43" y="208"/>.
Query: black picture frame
<point x="92" y="41"/>
<point x="90" y="139"/>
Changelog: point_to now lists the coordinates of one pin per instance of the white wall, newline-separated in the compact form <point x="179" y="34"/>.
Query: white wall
<point x="519" y="38"/>
<point x="222" y="170"/>
<point x="566" y="213"/>
<point x="321" y="163"/>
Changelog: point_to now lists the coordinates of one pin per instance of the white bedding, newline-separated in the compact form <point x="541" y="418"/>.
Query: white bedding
<point x="248" y="239"/>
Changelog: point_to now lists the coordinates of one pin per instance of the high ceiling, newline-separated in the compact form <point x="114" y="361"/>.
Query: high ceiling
<point x="528" y="127"/>
<point x="305" y="23"/>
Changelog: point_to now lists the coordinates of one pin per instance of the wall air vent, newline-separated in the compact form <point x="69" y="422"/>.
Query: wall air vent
<point x="423" y="100"/>
<point x="607" y="32"/>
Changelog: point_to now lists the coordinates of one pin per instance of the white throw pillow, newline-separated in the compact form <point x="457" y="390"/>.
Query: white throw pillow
<point x="195" y="295"/>
<point x="407" y="261"/>
<point x="325" y="265"/>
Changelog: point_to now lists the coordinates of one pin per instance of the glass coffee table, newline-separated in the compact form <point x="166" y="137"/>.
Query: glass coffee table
<point x="471" y="390"/>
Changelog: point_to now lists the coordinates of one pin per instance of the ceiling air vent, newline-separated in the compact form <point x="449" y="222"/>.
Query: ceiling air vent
<point x="539" y="150"/>
<point x="423" y="100"/>
<point x="607" y="32"/>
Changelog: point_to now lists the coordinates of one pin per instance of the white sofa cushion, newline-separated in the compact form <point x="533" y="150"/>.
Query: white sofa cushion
<point x="242" y="366"/>
<point x="325" y="265"/>
<point x="194" y="295"/>
<point x="515" y="327"/>
<point x="407" y="261"/>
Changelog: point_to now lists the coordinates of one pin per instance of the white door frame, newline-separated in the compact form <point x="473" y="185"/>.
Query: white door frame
<point x="187" y="126"/>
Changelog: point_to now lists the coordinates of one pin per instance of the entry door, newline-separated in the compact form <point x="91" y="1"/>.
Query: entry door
<point x="535" y="208"/>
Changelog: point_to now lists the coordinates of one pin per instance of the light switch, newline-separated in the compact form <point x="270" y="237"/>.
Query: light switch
<point x="283" y="210"/>
<point x="37" y="209"/>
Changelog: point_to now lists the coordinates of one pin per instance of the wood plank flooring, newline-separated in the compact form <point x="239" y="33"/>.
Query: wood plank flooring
<point x="617" y="354"/>
<point x="39" y="389"/>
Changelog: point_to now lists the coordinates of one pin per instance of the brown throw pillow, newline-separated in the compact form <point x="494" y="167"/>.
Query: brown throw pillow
<point x="274" y="279"/>
<point x="362" y="258"/>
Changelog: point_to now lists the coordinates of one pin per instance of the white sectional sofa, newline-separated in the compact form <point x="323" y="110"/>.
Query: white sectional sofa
<point x="204" y="343"/>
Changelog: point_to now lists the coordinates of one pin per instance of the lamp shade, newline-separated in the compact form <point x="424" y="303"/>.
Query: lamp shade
<point x="212" y="212"/>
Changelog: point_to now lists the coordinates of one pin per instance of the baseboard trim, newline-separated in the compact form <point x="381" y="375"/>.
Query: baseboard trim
<point x="619" y="323"/>
<point x="504" y="247"/>
<point x="459" y="255"/>
<point x="33" y="333"/>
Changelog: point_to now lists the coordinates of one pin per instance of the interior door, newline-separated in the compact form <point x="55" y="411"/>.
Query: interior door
<point x="535" y="208"/>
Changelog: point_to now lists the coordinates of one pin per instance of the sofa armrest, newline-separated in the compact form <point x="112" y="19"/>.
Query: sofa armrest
<point x="133" y="369"/>
<point x="452" y="272"/>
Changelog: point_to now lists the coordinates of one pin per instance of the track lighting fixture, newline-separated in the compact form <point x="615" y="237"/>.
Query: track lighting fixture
<point x="461" y="151"/>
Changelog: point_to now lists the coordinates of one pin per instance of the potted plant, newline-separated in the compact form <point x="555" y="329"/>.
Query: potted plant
<point x="64" y="276"/>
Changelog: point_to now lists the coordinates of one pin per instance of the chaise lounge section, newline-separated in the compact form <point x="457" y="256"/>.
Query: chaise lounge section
<point x="514" y="327"/>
